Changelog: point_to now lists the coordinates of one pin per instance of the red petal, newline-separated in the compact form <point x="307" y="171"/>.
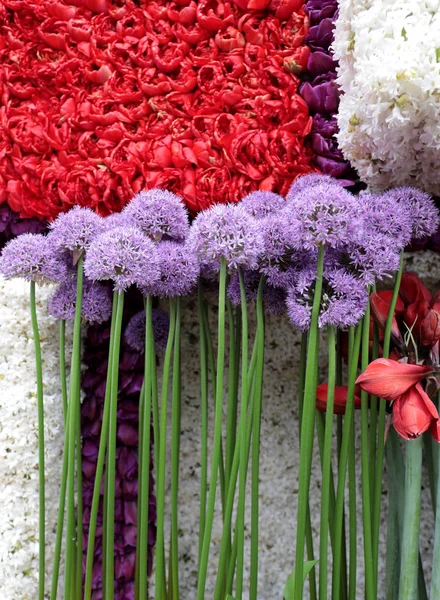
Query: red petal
<point x="412" y="289"/>
<point x="413" y="413"/>
<point x="340" y="398"/>
<point x="380" y="309"/>
<point x="389" y="379"/>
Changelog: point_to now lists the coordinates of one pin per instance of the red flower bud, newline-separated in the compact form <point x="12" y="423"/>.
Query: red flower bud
<point x="430" y="328"/>
<point x="340" y="398"/>
<point x="380" y="309"/>
<point x="414" y="413"/>
<point x="389" y="379"/>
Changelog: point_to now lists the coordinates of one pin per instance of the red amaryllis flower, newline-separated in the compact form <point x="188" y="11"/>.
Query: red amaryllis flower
<point x="340" y="398"/>
<point x="380" y="308"/>
<point x="412" y="289"/>
<point x="389" y="379"/>
<point x="414" y="413"/>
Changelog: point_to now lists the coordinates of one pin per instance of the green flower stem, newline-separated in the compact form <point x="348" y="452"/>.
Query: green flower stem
<point x="63" y="377"/>
<point x="343" y="460"/>
<point x="327" y="467"/>
<point x="370" y="586"/>
<point x="109" y="550"/>
<point x="374" y="405"/>
<point x="435" y="581"/>
<point x="204" y="419"/>
<point x="233" y="375"/>
<point x="99" y="464"/>
<point x="256" y="444"/>
<point x="320" y="428"/>
<point x="217" y="435"/>
<point x="161" y="591"/>
<point x="411" y="523"/>
<point x="242" y="428"/>
<point x="79" y="508"/>
<point x="72" y="422"/>
<point x="431" y="461"/>
<point x="352" y="515"/>
<point x="377" y="498"/>
<point x="41" y="468"/>
<point x="307" y="428"/>
<point x="175" y="451"/>
<point x="144" y="450"/>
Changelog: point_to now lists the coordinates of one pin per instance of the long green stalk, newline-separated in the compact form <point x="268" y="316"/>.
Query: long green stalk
<point x="370" y="586"/>
<point x="352" y="516"/>
<point x="109" y="525"/>
<point x="144" y="447"/>
<point x="408" y="587"/>
<point x="435" y="581"/>
<point x="41" y="467"/>
<point x="204" y="419"/>
<point x="63" y="377"/>
<point x="175" y="452"/>
<point x="327" y="467"/>
<point x="255" y="500"/>
<point x="161" y="467"/>
<point x="217" y="435"/>
<point x="233" y="377"/>
<point x="79" y="507"/>
<point x="343" y="461"/>
<point x="99" y="464"/>
<point x="307" y="428"/>
<point x="72" y="421"/>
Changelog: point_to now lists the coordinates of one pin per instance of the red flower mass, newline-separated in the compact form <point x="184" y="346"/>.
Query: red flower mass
<point x="100" y="99"/>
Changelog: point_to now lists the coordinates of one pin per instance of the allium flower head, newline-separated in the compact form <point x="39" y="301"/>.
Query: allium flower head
<point x="32" y="257"/>
<point x="262" y="204"/>
<point x="96" y="301"/>
<point x="179" y="270"/>
<point x="328" y="214"/>
<point x="134" y="334"/>
<point x="226" y="232"/>
<point x="76" y="229"/>
<point x="384" y="215"/>
<point x="115" y="220"/>
<point x="420" y="207"/>
<point x="274" y="298"/>
<point x="125" y="256"/>
<point x="305" y="182"/>
<point x="160" y="214"/>
<point x="343" y="301"/>
<point x="281" y="259"/>
<point x="372" y="256"/>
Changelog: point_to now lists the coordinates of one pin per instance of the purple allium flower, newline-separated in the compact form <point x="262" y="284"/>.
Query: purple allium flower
<point x="125" y="256"/>
<point x="134" y="335"/>
<point x="226" y="232"/>
<point x="373" y="256"/>
<point x="115" y="220"/>
<point x="274" y="298"/>
<point x="384" y="215"/>
<point x="76" y="229"/>
<point x="327" y="214"/>
<point x="420" y="207"/>
<point x="305" y="182"/>
<point x="160" y="214"/>
<point x="281" y="260"/>
<point x="179" y="271"/>
<point x="262" y="204"/>
<point x="96" y="301"/>
<point x="32" y="257"/>
<point x="343" y="301"/>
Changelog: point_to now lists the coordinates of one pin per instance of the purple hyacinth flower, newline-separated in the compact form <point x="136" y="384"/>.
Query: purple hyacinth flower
<point x="226" y="232"/>
<point x="96" y="302"/>
<point x="262" y="204"/>
<point x="123" y="255"/>
<point x="343" y="301"/>
<point x="32" y="257"/>
<point x="179" y="270"/>
<point x="327" y="213"/>
<point x="134" y="335"/>
<point x="420" y="207"/>
<point x="160" y="214"/>
<point x="76" y="229"/>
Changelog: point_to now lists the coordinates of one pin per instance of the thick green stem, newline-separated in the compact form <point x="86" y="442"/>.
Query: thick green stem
<point x="161" y="467"/>
<point x="307" y="428"/>
<point x="175" y="452"/>
<point x="435" y="581"/>
<point x="352" y="516"/>
<point x="73" y="414"/>
<point x="411" y="523"/>
<point x="374" y="405"/>
<point x="41" y="468"/>
<point x="144" y="450"/>
<point x="79" y="508"/>
<point x="217" y="435"/>
<point x="327" y="467"/>
<point x="343" y="461"/>
<point x="233" y="377"/>
<point x="204" y="420"/>
<point x="63" y="377"/>
<point x="99" y="464"/>
<point x="109" y="550"/>
<point x="370" y="587"/>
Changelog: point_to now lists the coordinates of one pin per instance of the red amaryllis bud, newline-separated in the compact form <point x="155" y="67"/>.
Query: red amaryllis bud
<point x="414" y="413"/>
<point x="340" y="398"/>
<point x="380" y="309"/>
<point x="412" y="289"/>
<point x="389" y="379"/>
<point x="430" y="328"/>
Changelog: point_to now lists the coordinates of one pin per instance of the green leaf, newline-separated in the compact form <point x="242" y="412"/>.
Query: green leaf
<point x="289" y="589"/>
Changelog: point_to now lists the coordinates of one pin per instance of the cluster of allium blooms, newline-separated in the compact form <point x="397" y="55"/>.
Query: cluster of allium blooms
<point x="96" y="301"/>
<point x="134" y="335"/>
